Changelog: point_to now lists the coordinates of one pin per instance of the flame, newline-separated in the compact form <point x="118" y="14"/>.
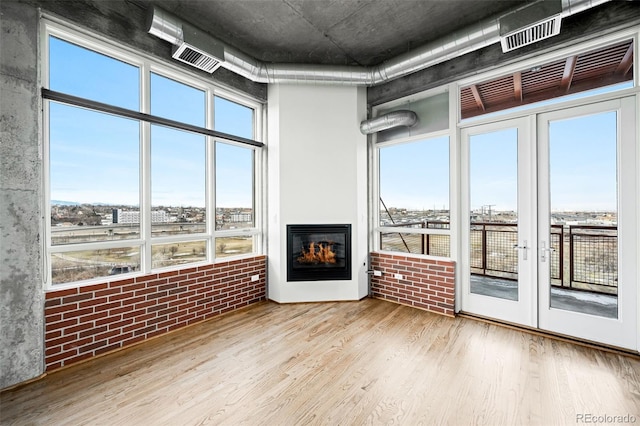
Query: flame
<point x="317" y="253"/>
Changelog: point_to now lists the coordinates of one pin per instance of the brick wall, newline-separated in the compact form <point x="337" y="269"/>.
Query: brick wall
<point x="91" y="320"/>
<point x="426" y="283"/>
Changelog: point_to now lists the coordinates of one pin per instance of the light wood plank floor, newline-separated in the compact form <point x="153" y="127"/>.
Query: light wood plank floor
<point x="345" y="363"/>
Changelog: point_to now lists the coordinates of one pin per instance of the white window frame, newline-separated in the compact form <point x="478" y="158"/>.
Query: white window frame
<point x="53" y="26"/>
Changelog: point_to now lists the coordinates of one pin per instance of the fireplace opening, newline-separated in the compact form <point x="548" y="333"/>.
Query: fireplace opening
<point x="318" y="252"/>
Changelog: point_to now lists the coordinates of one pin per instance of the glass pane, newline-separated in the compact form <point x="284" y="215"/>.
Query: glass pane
<point x="83" y="265"/>
<point x="233" y="246"/>
<point x="94" y="172"/>
<point x="233" y="118"/>
<point x="234" y="187"/>
<point x="82" y="72"/>
<point x="583" y="200"/>
<point x="414" y="184"/>
<point x="177" y="101"/>
<point x="493" y="187"/>
<point x="178" y="182"/>
<point x="171" y="254"/>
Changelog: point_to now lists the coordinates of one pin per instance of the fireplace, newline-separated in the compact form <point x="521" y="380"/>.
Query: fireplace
<point x="318" y="252"/>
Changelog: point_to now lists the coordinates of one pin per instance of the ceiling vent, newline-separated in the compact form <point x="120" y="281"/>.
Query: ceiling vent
<point x="195" y="57"/>
<point x="530" y="24"/>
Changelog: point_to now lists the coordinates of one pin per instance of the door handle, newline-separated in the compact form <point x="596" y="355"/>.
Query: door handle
<point x="524" y="249"/>
<point x="544" y="250"/>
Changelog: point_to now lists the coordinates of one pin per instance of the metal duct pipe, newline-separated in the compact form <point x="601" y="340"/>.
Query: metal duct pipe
<point x="169" y="28"/>
<point x="389" y="121"/>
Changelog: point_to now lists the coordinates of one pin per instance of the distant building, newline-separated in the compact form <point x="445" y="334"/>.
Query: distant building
<point x="125" y="216"/>
<point x="240" y="217"/>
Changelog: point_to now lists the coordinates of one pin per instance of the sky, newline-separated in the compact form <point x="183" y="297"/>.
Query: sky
<point x="95" y="157"/>
<point x="582" y="166"/>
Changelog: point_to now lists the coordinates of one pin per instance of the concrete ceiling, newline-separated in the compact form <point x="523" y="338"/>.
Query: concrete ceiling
<point x="338" y="32"/>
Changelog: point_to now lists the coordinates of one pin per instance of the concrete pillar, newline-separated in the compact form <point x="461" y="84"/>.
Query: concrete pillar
<point x="21" y="290"/>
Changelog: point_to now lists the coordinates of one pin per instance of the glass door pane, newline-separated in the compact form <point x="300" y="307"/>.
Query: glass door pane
<point x="493" y="190"/>
<point x="584" y="214"/>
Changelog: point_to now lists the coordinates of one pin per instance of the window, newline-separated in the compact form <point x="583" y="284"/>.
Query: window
<point x="414" y="196"/>
<point x="412" y="178"/>
<point x="130" y="194"/>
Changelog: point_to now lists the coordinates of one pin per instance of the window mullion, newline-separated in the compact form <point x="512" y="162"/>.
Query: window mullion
<point x="210" y="186"/>
<point x="145" y="169"/>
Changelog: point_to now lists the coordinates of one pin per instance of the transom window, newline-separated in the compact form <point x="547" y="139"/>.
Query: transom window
<point x="142" y="180"/>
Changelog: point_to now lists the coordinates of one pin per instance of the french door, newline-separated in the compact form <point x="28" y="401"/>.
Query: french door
<point x="561" y="254"/>
<point x="499" y="256"/>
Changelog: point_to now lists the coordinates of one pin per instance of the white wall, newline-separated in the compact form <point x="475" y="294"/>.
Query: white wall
<point x="317" y="174"/>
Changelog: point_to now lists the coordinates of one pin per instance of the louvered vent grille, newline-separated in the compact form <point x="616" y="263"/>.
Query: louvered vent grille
<point x="531" y="34"/>
<point x="192" y="56"/>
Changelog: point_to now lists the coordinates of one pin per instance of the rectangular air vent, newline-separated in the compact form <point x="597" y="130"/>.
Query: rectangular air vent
<point x="195" y="57"/>
<point x="530" y="24"/>
<point x="530" y="34"/>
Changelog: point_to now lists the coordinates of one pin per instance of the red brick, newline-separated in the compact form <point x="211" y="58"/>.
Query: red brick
<point x="132" y="287"/>
<point x="145" y="278"/>
<point x="93" y="346"/>
<point x="60" y="324"/>
<point x="120" y="296"/>
<point x="169" y="274"/>
<point x="53" y="318"/>
<point x="93" y="302"/>
<point x="60" y="341"/>
<point x="107" y="306"/>
<point x="78" y="328"/>
<point x="62" y="356"/>
<point x="144" y="330"/>
<point x="121" y="324"/>
<point x="93" y="331"/>
<point x="122" y="310"/>
<point x="77" y="343"/>
<point x="107" y="334"/>
<point x="94" y="287"/>
<point x="60" y="293"/>
<point x="120" y="338"/>
<point x="157" y="282"/>
<point x="156" y="295"/>
<point x="77" y="313"/>
<point x="52" y="335"/>
<point x="108" y="320"/>
<point x="77" y="298"/>
<point x="144" y="291"/>
<point x="52" y="302"/>
<point x="120" y="283"/>
<point x="108" y="292"/>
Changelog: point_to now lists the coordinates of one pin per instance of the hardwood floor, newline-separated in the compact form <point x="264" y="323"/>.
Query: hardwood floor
<point x="367" y="362"/>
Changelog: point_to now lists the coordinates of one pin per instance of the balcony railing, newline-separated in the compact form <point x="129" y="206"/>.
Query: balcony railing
<point x="582" y="257"/>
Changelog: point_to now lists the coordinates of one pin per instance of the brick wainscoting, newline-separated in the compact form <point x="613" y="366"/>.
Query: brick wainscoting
<point x="426" y="283"/>
<point x="87" y="321"/>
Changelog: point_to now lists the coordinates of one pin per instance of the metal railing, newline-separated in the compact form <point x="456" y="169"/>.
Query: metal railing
<point x="583" y="257"/>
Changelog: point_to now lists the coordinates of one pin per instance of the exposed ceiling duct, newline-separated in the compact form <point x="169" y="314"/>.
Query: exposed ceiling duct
<point x="389" y="121"/>
<point x="483" y="34"/>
